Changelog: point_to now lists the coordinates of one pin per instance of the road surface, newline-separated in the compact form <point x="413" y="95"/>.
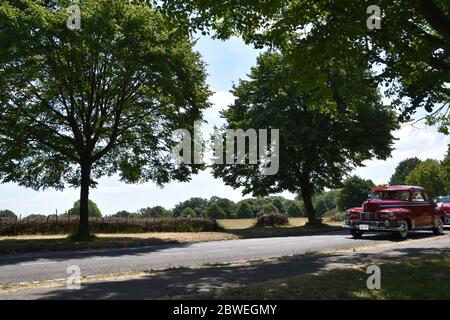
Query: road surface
<point x="51" y="266"/>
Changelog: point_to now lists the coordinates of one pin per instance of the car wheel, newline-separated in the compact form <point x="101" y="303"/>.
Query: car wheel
<point x="402" y="235"/>
<point x="439" y="230"/>
<point x="357" y="234"/>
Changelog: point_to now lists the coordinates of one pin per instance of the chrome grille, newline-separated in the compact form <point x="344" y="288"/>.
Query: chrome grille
<point x="368" y="216"/>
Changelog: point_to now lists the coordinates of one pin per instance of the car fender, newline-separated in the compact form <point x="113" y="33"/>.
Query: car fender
<point x="400" y="213"/>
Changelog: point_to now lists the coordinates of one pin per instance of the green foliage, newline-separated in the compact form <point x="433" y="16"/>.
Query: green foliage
<point x="199" y="205"/>
<point x="446" y="167"/>
<point x="38" y="217"/>
<point x="102" y="100"/>
<point x="430" y="175"/>
<point x="155" y="212"/>
<point x="214" y="211"/>
<point x="228" y="206"/>
<point x="326" y="128"/>
<point x="325" y="202"/>
<point x="244" y="210"/>
<point x="7" y="214"/>
<point x="353" y="193"/>
<point x="126" y="214"/>
<point x="94" y="211"/>
<point x="272" y="219"/>
<point x="279" y="204"/>
<point x="404" y="168"/>
<point x="295" y="210"/>
<point x="412" y="48"/>
<point x="188" y="212"/>
<point x="269" y="208"/>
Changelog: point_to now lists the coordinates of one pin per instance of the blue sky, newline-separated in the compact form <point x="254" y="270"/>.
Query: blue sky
<point x="227" y="63"/>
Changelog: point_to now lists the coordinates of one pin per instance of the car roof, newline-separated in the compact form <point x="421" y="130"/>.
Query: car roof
<point x="398" y="188"/>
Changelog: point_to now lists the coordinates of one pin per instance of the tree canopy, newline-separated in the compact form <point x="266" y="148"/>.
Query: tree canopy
<point x="94" y="211"/>
<point x="403" y="169"/>
<point x="430" y="175"/>
<point x="76" y="105"/>
<point x="199" y="205"/>
<point x="411" y="50"/>
<point x="353" y="193"/>
<point x="325" y="129"/>
<point x="7" y="214"/>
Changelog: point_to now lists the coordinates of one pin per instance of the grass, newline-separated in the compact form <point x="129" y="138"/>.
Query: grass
<point x="414" y="278"/>
<point x="234" y="229"/>
<point x="244" y="228"/>
<point x="43" y="243"/>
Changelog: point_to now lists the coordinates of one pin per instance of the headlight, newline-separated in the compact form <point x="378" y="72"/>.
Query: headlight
<point x="387" y="215"/>
<point x="348" y="214"/>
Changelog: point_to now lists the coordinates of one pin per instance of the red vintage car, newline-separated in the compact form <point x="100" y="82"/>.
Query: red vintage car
<point x="444" y="203"/>
<point x="396" y="209"/>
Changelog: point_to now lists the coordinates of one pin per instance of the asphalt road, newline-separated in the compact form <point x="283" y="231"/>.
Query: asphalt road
<point x="52" y="266"/>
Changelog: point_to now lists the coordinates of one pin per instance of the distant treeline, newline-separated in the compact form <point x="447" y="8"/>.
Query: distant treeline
<point x="354" y="191"/>
<point x="431" y="174"/>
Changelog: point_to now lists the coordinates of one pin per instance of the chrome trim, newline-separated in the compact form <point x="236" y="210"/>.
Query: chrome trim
<point x="377" y="225"/>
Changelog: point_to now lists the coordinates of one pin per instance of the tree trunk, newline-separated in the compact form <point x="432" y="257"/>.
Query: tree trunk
<point x="83" y="228"/>
<point x="307" y="194"/>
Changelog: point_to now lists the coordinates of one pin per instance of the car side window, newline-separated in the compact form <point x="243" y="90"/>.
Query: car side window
<point x="418" y="197"/>
<point x="426" y="197"/>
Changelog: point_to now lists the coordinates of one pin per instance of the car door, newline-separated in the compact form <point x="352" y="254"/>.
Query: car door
<point x="421" y="208"/>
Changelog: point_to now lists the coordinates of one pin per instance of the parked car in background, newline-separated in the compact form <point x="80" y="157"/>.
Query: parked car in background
<point x="444" y="203"/>
<point x="396" y="209"/>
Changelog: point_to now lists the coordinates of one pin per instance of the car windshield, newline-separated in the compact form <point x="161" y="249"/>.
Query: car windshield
<point x="443" y="200"/>
<point x="389" y="195"/>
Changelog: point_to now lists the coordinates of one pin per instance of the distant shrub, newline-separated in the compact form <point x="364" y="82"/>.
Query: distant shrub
<point x="269" y="208"/>
<point x="188" y="212"/>
<point x="108" y="225"/>
<point x="33" y="217"/>
<point x="334" y="215"/>
<point x="244" y="211"/>
<point x="7" y="214"/>
<point x="93" y="209"/>
<point x="272" y="219"/>
<point x="214" y="211"/>
<point x="294" y="209"/>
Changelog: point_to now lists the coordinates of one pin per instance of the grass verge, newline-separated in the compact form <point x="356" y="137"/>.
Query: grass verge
<point x="413" y="278"/>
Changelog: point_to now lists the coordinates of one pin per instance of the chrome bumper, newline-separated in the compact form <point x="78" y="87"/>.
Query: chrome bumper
<point x="376" y="225"/>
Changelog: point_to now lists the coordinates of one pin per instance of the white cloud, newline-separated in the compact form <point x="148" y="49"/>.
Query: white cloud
<point x="419" y="141"/>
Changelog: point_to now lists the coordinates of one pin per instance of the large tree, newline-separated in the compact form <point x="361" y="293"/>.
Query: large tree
<point x="325" y="130"/>
<point x="353" y="192"/>
<point x="199" y="205"/>
<point x="429" y="174"/>
<point x="403" y="169"/>
<point x="411" y="50"/>
<point x="446" y="167"/>
<point x="79" y="104"/>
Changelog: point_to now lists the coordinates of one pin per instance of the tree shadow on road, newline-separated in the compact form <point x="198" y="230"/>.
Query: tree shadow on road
<point x="188" y="283"/>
